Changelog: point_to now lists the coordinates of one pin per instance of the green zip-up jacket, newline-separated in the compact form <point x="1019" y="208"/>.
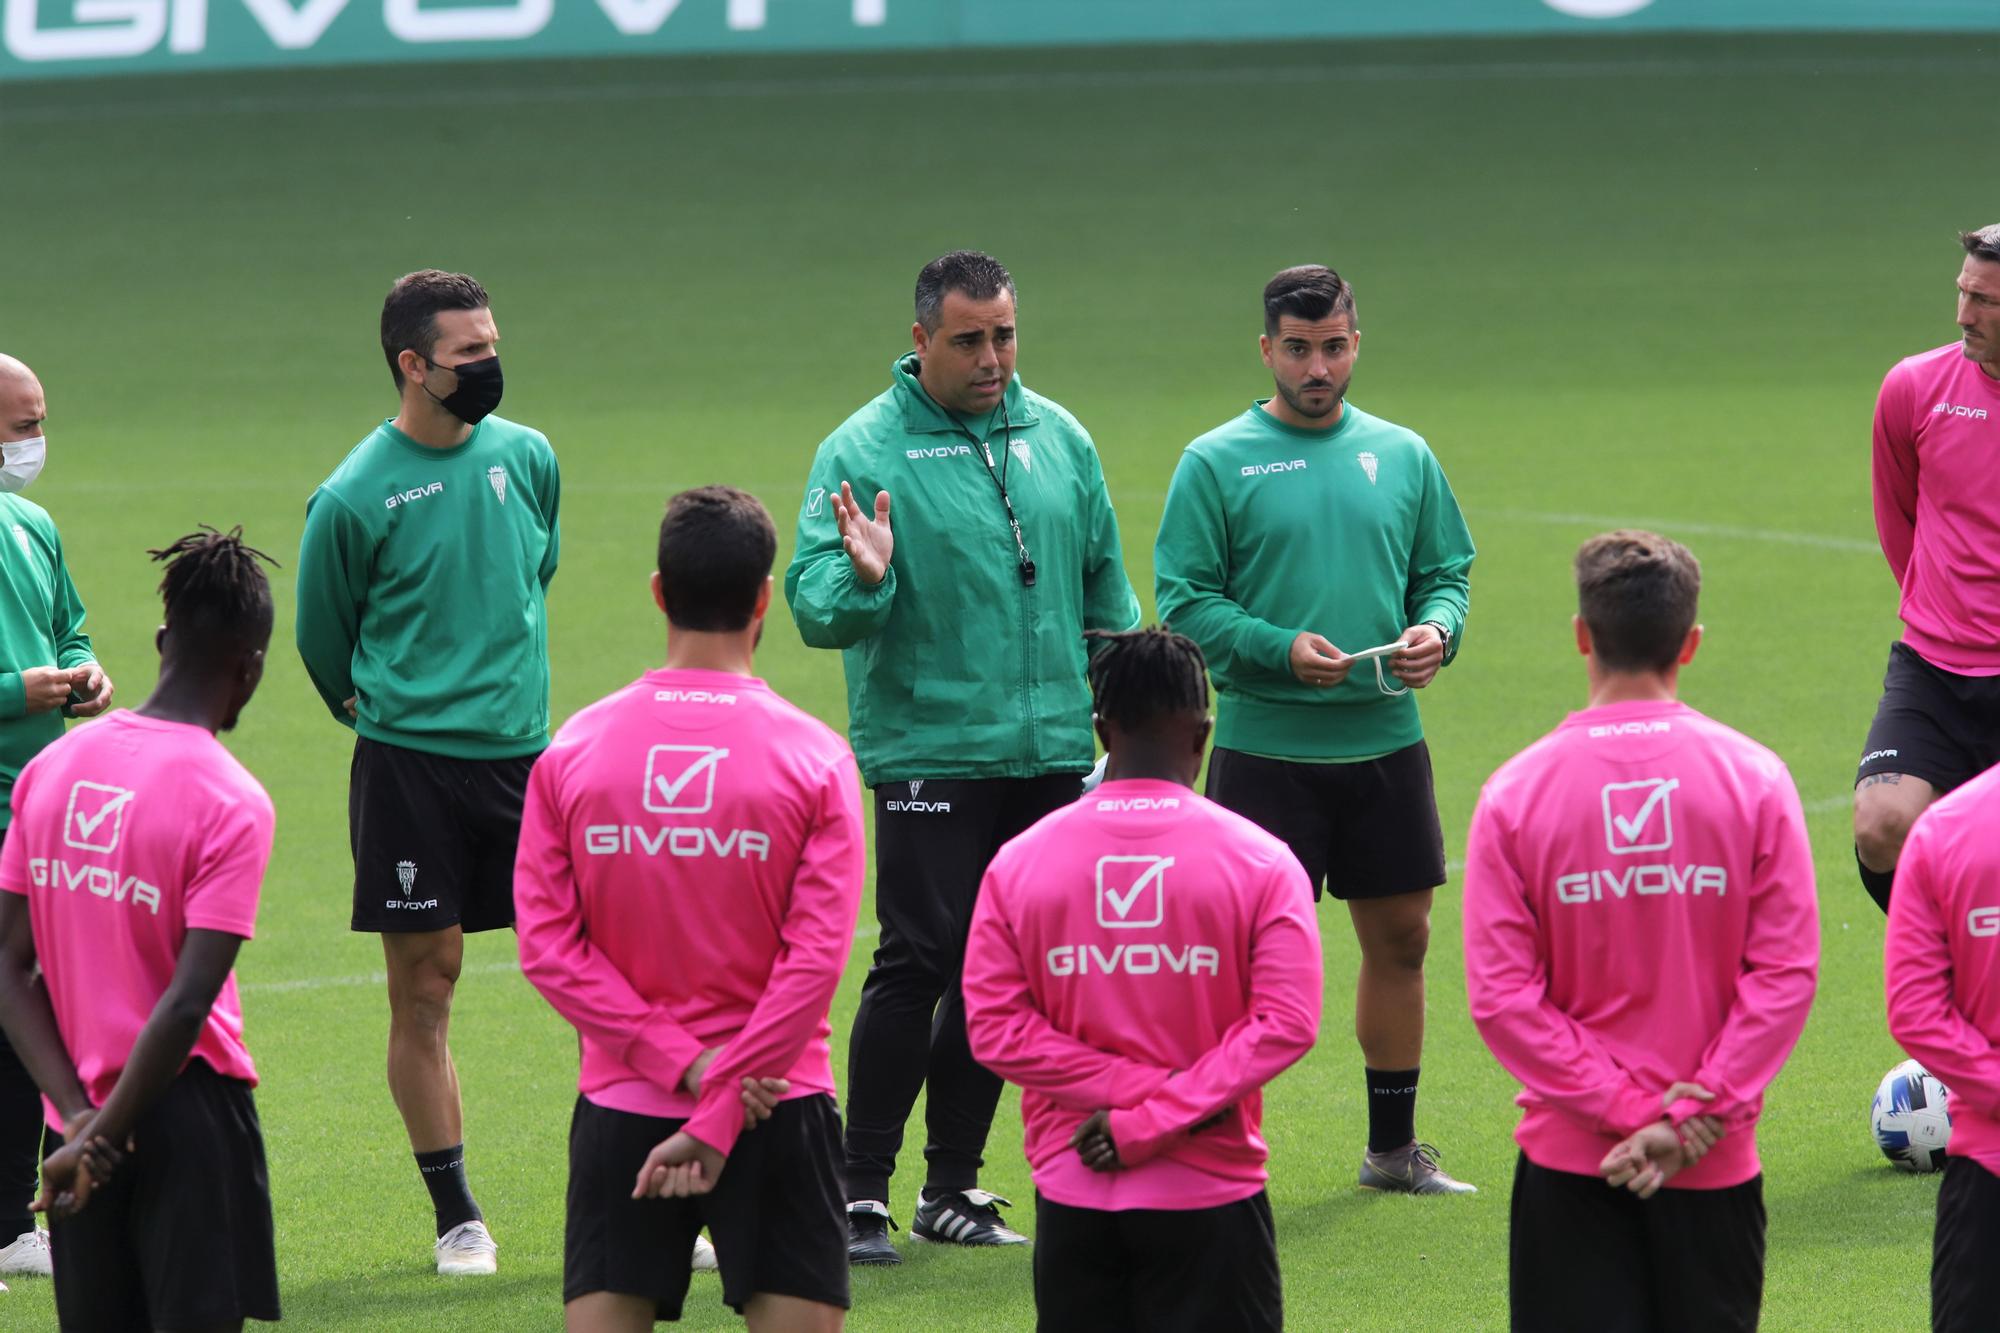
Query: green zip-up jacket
<point x="1351" y="533"/>
<point x="955" y="669"/>
<point x="41" y="625"/>
<point x="422" y="577"/>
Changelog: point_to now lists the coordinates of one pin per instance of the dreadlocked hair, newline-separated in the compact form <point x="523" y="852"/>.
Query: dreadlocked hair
<point x="1140" y="675"/>
<point x="213" y="586"/>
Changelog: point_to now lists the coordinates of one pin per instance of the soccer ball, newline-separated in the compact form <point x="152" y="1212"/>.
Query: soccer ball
<point x="1911" y="1123"/>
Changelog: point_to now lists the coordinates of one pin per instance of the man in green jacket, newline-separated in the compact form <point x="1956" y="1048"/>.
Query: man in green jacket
<point x="47" y="670"/>
<point x="961" y="630"/>
<point x="1303" y="524"/>
<point x="426" y="557"/>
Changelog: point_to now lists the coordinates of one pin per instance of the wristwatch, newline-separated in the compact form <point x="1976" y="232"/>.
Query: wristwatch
<point x="1444" y="635"/>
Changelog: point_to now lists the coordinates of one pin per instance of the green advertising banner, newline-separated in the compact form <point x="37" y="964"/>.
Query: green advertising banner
<point x="44" y="38"/>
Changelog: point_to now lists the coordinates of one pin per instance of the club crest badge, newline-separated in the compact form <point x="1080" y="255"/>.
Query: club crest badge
<point x="406" y="875"/>
<point x="496" y="477"/>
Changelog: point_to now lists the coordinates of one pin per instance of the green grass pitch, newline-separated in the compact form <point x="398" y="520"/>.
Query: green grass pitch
<point x="1634" y="282"/>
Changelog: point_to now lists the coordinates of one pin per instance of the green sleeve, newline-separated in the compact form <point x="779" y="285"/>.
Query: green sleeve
<point x="832" y="606"/>
<point x="1441" y="561"/>
<point x="332" y="587"/>
<point x="553" y="490"/>
<point x="1190" y="573"/>
<point x="13" y="696"/>
<point x="1108" y="599"/>
<point x="72" y="644"/>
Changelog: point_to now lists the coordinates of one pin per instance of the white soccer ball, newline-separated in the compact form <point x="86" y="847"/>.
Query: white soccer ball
<point x="1909" y="1117"/>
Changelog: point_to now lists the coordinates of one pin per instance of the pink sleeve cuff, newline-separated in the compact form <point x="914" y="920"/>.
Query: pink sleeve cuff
<point x="1686" y="1109"/>
<point x="663" y="1054"/>
<point x="1631" y="1110"/>
<point x="1132" y="1131"/>
<point x="717" y="1121"/>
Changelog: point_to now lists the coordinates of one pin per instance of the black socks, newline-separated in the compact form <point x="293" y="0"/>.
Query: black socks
<point x="20" y="1144"/>
<point x="1877" y="883"/>
<point x="444" y="1177"/>
<point x="1392" y="1108"/>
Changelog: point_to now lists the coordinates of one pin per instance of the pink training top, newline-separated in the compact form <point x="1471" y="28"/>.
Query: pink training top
<point x="1937" y="433"/>
<point x="1148" y="951"/>
<point x="689" y="872"/>
<point x="1942" y="959"/>
<point x="128" y="833"/>
<point x="1639" y="910"/>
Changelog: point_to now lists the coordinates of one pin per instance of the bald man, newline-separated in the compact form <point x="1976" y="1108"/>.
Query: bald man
<point x="47" y="672"/>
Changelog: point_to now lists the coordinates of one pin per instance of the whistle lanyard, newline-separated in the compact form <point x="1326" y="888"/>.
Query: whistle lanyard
<point x="1000" y="484"/>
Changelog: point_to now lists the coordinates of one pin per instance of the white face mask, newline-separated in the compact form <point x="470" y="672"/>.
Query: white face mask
<point x="22" y="463"/>
<point x="1381" y="676"/>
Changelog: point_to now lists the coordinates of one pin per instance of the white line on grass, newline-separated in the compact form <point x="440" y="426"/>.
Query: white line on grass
<point x="358" y="979"/>
<point x="1670" y="527"/>
<point x="862" y="932"/>
<point x="1081" y="80"/>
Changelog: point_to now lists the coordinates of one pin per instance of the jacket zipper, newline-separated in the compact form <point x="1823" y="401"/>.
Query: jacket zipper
<point x="1028" y="674"/>
<point x="1033" y="750"/>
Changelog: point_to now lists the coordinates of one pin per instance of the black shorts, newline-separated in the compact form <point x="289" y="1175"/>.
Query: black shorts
<point x="181" y="1237"/>
<point x="1965" y="1282"/>
<point x="1364" y="830"/>
<point x="1157" y="1270"/>
<point x="1586" y="1258"/>
<point x="777" y="1217"/>
<point x="433" y="838"/>
<point x="1932" y="724"/>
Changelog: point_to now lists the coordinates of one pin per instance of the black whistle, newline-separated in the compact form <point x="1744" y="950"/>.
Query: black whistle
<point x="1027" y="573"/>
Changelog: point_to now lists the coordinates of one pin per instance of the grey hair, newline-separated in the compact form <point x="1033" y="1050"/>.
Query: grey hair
<point x="1982" y="244"/>
<point x="979" y="276"/>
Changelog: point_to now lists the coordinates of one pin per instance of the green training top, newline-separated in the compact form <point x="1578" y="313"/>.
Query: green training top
<point x="41" y="624"/>
<point x="422" y="577"/>
<point x="1351" y="533"/>
<point x="955" y="667"/>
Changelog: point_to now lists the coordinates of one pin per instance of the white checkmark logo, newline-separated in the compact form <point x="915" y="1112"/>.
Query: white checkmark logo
<point x="87" y="824"/>
<point x="664" y="794"/>
<point x="1121" y="903"/>
<point x="1625" y="832"/>
<point x="82" y="827"/>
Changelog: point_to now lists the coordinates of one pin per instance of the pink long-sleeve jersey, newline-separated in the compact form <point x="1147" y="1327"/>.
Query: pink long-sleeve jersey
<point x="1639" y="910"/>
<point x="1942" y="959"/>
<point x="1148" y="952"/>
<point x="1937" y="511"/>
<point x="689" y="872"/>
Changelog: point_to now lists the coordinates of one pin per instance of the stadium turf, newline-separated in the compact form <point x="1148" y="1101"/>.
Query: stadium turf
<point x="1612" y="282"/>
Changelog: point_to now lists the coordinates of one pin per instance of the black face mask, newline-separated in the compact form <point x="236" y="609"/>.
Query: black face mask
<point x="478" y="391"/>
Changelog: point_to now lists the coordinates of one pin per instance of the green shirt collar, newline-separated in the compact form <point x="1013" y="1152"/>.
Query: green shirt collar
<point x="1347" y="412"/>
<point x="923" y="416"/>
<point x="425" y="450"/>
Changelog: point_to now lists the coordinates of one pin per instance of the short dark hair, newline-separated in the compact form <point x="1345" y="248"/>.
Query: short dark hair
<point x="1637" y="592"/>
<point x="717" y="545"/>
<point x="968" y="272"/>
<point x="409" y="314"/>
<point x="215" y="594"/>
<point x="1983" y="243"/>
<point x="1308" y="291"/>
<point x="1142" y="676"/>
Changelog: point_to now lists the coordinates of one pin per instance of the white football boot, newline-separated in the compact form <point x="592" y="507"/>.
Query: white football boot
<point x="467" y="1250"/>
